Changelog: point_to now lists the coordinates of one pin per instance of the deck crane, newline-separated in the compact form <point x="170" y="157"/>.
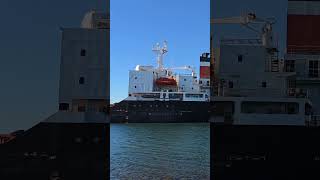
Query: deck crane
<point x="250" y="18"/>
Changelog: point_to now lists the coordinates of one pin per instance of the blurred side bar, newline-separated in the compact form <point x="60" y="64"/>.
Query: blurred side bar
<point x="72" y="144"/>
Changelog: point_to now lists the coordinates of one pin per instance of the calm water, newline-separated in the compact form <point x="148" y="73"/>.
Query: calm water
<point x="160" y="151"/>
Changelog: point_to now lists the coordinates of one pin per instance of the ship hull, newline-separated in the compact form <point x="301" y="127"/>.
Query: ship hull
<point x="160" y="112"/>
<point x="264" y="152"/>
<point x="65" y="150"/>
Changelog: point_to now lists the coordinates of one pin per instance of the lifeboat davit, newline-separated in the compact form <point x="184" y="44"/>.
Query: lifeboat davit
<point x="163" y="81"/>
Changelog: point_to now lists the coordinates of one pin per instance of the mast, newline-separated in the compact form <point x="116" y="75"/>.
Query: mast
<point x="160" y="51"/>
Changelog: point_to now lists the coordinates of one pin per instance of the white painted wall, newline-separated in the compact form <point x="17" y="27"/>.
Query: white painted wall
<point x="140" y="81"/>
<point x="186" y="83"/>
<point x="248" y="75"/>
<point x="94" y="67"/>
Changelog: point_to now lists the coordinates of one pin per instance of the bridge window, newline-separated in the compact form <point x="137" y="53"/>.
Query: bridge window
<point x="251" y="107"/>
<point x="63" y="106"/>
<point x="313" y="69"/>
<point x="289" y="65"/>
<point x="230" y="84"/>
<point x="83" y="52"/>
<point x="81" y="80"/>
<point x="194" y="95"/>
<point x="308" y="109"/>
<point x="240" y="58"/>
<point x="81" y="108"/>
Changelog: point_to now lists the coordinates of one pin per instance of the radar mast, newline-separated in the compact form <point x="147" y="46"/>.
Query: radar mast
<point x="160" y="51"/>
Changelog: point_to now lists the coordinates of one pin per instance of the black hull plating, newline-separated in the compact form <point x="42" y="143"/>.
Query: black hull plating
<point x="73" y="151"/>
<point x="264" y="152"/>
<point x="160" y="112"/>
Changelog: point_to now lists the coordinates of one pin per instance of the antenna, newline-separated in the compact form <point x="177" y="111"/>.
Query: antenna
<point x="160" y="51"/>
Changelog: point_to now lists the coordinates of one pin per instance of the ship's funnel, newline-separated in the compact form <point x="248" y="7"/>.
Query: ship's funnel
<point x="303" y="27"/>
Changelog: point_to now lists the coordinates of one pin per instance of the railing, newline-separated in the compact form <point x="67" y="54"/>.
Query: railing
<point x="313" y="120"/>
<point x="300" y="49"/>
<point x="298" y="93"/>
<point x="241" y="41"/>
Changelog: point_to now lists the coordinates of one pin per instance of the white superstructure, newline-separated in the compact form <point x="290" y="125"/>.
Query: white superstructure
<point x="251" y="86"/>
<point x="161" y="83"/>
<point x="84" y="68"/>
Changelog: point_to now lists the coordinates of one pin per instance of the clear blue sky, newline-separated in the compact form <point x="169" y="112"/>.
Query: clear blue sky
<point x="137" y="25"/>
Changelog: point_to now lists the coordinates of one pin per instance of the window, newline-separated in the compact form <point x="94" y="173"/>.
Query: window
<point x="230" y="84"/>
<point x="185" y="80"/>
<point x="135" y="86"/>
<point x="289" y="65"/>
<point x="208" y="83"/>
<point x="308" y="109"/>
<point x="175" y="96"/>
<point x="313" y="69"/>
<point x="83" y="52"/>
<point x="264" y="84"/>
<point x="269" y="107"/>
<point x="81" y="108"/>
<point x="194" y="95"/>
<point x="240" y="58"/>
<point x="81" y="80"/>
<point x="63" y="106"/>
<point x="200" y="82"/>
<point x="291" y="83"/>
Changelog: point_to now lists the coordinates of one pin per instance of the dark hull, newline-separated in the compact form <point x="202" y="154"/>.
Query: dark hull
<point x="264" y="152"/>
<point x="75" y="151"/>
<point x="160" y="112"/>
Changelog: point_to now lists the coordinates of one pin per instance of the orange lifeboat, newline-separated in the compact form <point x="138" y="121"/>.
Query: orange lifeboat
<point x="163" y="81"/>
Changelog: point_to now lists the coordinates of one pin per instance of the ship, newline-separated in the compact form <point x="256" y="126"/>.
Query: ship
<point x="161" y="94"/>
<point x="72" y="143"/>
<point x="265" y="108"/>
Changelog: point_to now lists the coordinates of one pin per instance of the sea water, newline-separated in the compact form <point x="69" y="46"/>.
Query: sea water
<point x="160" y="151"/>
